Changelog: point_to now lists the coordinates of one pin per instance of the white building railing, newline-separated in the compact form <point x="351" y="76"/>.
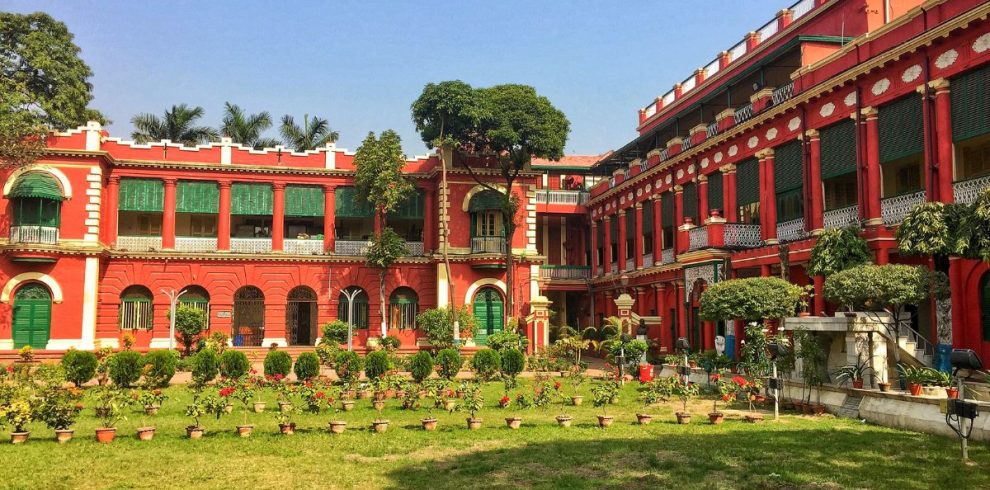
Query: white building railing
<point x="743" y="113"/>
<point x="894" y="209"/>
<point x="139" y="243"/>
<point x="792" y="230"/>
<point x="414" y="248"/>
<point x="544" y="196"/>
<point x="351" y="247"/>
<point x="783" y="93"/>
<point x="251" y="245"/>
<point x="565" y="272"/>
<point x="630" y="264"/>
<point x="195" y="244"/>
<point x="698" y="238"/>
<point x="742" y="235"/>
<point x="303" y="247"/>
<point x="46" y="235"/>
<point x="648" y="260"/>
<point x="488" y="245"/>
<point x="667" y="256"/>
<point x="966" y="191"/>
<point x="842" y="217"/>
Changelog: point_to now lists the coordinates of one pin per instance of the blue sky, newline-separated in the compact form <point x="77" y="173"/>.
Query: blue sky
<point x="360" y="64"/>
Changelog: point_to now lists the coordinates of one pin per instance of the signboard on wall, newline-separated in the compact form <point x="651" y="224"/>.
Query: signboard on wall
<point x="223" y="313"/>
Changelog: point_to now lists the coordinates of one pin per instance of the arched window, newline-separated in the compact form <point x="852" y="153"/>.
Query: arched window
<point x="403" y="307"/>
<point x="353" y="299"/>
<point x="36" y="200"/>
<point x="487" y="228"/>
<point x="197" y="297"/>
<point x="136" y="311"/>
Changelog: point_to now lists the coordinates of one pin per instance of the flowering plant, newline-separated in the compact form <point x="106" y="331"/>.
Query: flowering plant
<point x="152" y="398"/>
<point x="523" y="401"/>
<point x="313" y="395"/>
<point x="504" y="401"/>
<point x="60" y="407"/>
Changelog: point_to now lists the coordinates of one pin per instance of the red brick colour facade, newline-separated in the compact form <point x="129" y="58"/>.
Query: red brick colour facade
<point x="833" y="113"/>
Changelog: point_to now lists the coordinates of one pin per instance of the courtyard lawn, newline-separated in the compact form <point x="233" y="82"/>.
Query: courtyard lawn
<point x="797" y="451"/>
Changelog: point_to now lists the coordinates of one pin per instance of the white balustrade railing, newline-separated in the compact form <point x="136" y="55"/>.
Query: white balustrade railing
<point x="664" y="153"/>
<point x="894" y="209"/>
<point x="648" y="260"/>
<point x="303" y="247"/>
<point x="614" y="268"/>
<point x="792" y="230"/>
<point x="651" y="110"/>
<point x="711" y="68"/>
<point x="698" y="238"/>
<point x="768" y="30"/>
<point x="799" y="9"/>
<point x="46" y="235"/>
<point x="737" y="51"/>
<point x="488" y="245"/>
<point x="966" y="191"/>
<point x="251" y="245"/>
<point x="415" y="248"/>
<point x="630" y="264"/>
<point x="667" y="256"/>
<point x="139" y="243"/>
<point x="351" y="247"/>
<point x="842" y="217"/>
<point x="742" y="235"/>
<point x="544" y="196"/>
<point x="195" y="244"/>
<point x="686" y="143"/>
<point x="783" y="93"/>
<point x="565" y="272"/>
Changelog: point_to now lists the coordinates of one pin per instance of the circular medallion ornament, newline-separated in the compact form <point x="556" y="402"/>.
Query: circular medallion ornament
<point x="911" y="73"/>
<point x="629" y="196"/>
<point x="648" y="188"/>
<point x="946" y="59"/>
<point x="982" y="43"/>
<point x="733" y="150"/>
<point x="639" y="192"/>
<point x="704" y="162"/>
<point x="752" y="142"/>
<point x="657" y="184"/>
<point x="608" y="206"/>
<point x="622" y="200"/>
<point x="794" y="123"/>
<point x="827" y="109"/>
<point x="718" y="157"/>
<point x="680" y="173"/>
<point x="880" y="86"/>
<point x="850" y="99"/>
<point x="771" y="133"/>
<point x="669" y="178"/>
<point x="691" y="168"/>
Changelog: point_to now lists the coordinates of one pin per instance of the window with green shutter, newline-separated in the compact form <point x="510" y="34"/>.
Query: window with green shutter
<point x="36" y="185"/>
<point x="748" y="191"/>
<point x="788" y="181"/>
<point x="667" y="219"/>
<point x="901" y="128"/>
<point x="646" y="227"/>
<point x="195" y="196"/>
<point x="251" y="199"/>
<point x="414" y="207"/>
<point x="347" y="205"/>
<point x="146" y="195"/>
<point x="970" y="102"/>
<point x="838" y="164"/>
<point x="303" y="201"/>
<point x="715" y="191"/>
<point x="690" y="201"/>
<point x="631" y="232"/>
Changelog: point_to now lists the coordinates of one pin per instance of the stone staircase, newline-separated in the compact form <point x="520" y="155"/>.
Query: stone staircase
<point x="850" y="407"/>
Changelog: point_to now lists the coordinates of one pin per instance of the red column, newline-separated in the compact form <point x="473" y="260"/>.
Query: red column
<point x="278" y="216"/>
<point x="113" y="200"/>
<point x="702" y="199"/>
<point x="765" y="270"/>
<point x="429" y="223"/>
<point x="594" y="248"/>
<point x="657" y="229"/>
<point x="873" y="188"/>
<point x="639" y="236"/>
<point x="729" y="193"/>
<point x="817" y="212"/>
<point x="640" y="304"/>
<point x="609" y="304"/>
<point x="607" y="266"/>
<point x="329" y="217"/>
<point x="769" y="204"/>
<point x="678" y="217"/>
<point x="943" y="140"/>
<point x="168" y="216"/>
<point x="681" y="312"/>
<point x="622" y="240"/>
<point x="223" y="217"/>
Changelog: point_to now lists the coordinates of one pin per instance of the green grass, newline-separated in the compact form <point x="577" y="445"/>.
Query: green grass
<point x="796" y="452"/>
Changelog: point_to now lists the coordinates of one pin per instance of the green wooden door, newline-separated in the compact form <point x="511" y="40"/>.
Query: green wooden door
<point x="32" y="316"/>
<point x="488" y="314"/>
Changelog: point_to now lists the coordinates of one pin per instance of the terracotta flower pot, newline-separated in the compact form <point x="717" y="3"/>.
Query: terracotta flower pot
<point x="228" y="408"/>
<point x="363" y="394"/>
<point x="605" y="420"/>
<point x="952" y="393"/>
<point x="858" y="384"/>
<point x="915" y="389"/>
<point x="429" y="424"/>
<point x="380" y="425"/>
<point x="716" y="418"/>
<point x="284" y="407"/>
<point x="884" y="387"/>
<point x="564" y="420"/>
<point x="106" y="435"/>
<point x="19" y="437"/>
<point x="380" y="395"/>
<point x="287" y="429"/>
<point x="474" y="423"/>
<point x="347" y="405"/>
<point x="259" y="407"/>
<point x="194" y="432"/>
<point x="683" y="418"/>
<point x="338" y="426"/>
<point x="64" y="435"/>
<point x="753" y="418"/>
<point x="378" y="404"/>
<point x="577" y="400"/>
<point x="644" y="419"/>
<point x="145" y="433"/>
<point x="245" y="430"/>
<point x="513" y="422"/>
<point x="504" y="404"/>
<point x="151" y="409"/>
<point x="400" y="394"/>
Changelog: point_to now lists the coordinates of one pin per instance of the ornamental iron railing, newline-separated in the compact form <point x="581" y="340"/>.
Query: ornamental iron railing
<point x="894" y="209"/>
<point x="488" y="245"/>
<point x="195" y="244"/>
<point x="251" y="245"/>
<point x="139" y="243"/>
<point x="739" y="235"/>
<point x="303" y="247"/>
<point x="698" y="238"/>
<point x="792" y="230"/>
<point x="565" y="272"/>
<point x="842" y="217"/>
<point x="966" y="191"/>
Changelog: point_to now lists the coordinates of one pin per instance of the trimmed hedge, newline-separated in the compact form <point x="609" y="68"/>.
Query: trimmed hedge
<point x="278" y="362"/>
<point x="376" y="364"/>
<point x="234" y="364"/>
<point x="349" y="366"/>
<point x="486" y="363"/>
<point x="79" y="366"/>
<point x="124" y="368"/>
<point x="421" y="366"/>
<point x="160" y="366"/>
<point x="307" y="366"/>
<point x="450" y="363"/>
<point x="513" y="362"/>
<point x="205" y="366"/>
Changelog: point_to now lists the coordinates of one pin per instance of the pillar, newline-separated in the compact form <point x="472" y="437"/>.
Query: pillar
<point x="943" y="140"/>
<point x="429" y="222"/>
<point x="657" y="230"/>
<point x="329" y="217"/>
<point x="702" y="198"/>
<point x="768" y="206"/>
<point x="223" y="217"/>
<point x="609" y="304"/>
<point x="765" y="270"/>
<point x="607" y="266"/>
<point x="113" y="201"/>
<point x="168" y="215"/>
<point x="729" y="193"/>
<point x="816" y="215"/>
<point x="539" y="323"/>
<point x="623" y="308"/>
<point x="681" y="312"/>
<point x="622" y="240"/>
<point x="872" y="170"/>
<point x="278" y="216"/>
<point x="658" y="291"/>
<point x="594" y="248"/>
<point x="639" y="236"/>
<point x="641" y="301"/>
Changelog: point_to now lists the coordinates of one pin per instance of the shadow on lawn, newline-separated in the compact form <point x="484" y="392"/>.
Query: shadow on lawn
<point x="733" y="458"/>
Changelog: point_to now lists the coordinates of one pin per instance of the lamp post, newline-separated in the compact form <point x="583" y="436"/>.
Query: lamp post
<point x="776" y="384"/>
<point x="173" y="299"/>
<point x="959" y="409"/>
<point x="350" y="294"/>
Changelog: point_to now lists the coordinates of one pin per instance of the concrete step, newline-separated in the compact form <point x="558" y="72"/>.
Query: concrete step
<point x="850" y="407"/>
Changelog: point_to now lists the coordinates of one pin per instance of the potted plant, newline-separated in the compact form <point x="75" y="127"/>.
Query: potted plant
<point x="152" y="400"/>
<point x="110" y="405"/>
<point x="651" y="397"/>
<point x="198" y="407"/>
<point x="685" y="390"/>
<point x="379" y="424"/>
<point x="937" y="382"/>
<point x="18" y="413"/>
<point x="725" y="392"/>
<point x="854" y="373"/>
<point x="313" y="395"/>
<point x="337" y="426"/>
<point x="914" y="376"/>
<point x="435" y="392"/>
<point x="523" y="401"/>
<point x="245" y="393"/>
<point x="256" y="384"/>
<point x="59" y="409"/>
<point x="602" y="394"/>
<point x="473" y="402"/>
<point x="284" y="418"/>
<point x="379" y="387"/>
<point x="283" y="392"/>
<point x="545" y="393"/>
<point x="577" y="378"/>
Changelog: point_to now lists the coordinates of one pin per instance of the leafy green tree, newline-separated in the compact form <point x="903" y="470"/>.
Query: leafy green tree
<point x="438" y="325"/>
<point x="44" y="85"/>
<point x="838" y="249"/>
<point x="189" y="323"/>
<point x="932" y="228"/>
<point x="247" y="129"/>
<point x="511" y="122"/>
<point x="974" y="236"/>
<point x="753" y="299"/>
<point x="312" y="135"/>
<point x="177" y="125"/>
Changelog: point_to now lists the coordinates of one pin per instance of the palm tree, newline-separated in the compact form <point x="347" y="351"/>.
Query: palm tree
<point x="313" y="134"/>
<point x="246" y="129"/>
<point x="177" y="126"/>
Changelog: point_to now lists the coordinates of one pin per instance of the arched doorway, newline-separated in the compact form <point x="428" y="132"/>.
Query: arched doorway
<point x="488" y="314"/>
<point x="300" y="316"/>
<point x="249" y="316"/>
<point x="32" y="318"/>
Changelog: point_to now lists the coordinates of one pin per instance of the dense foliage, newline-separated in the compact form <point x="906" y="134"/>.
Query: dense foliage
<point x="421" y="366"/>
<point x="887" y="286"/>
<point x="307" y="366"/>
<point x="436" y="323"/>
<point x="449" y="362"/>
<point x="234" y="364"/>
<point x="377" y="364"/>
<point x="838" y="249"/>
<point x="125" y="368"/>
<point x="513" y="363"/>
<point x="278" y="362"/>
<point x="189" y="324"/>
<point x="205" y="367"/>
<point x="160" y="367"/>
<point x="335" y="332"/>
<point x="486" y="363"/>
<point x="751" y="299"/>
<point x="348" y="366"/>
<point x="79" y="366"/>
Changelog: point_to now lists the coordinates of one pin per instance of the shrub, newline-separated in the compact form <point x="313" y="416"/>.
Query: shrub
<point x="349" y="366"/>
<point x="439" y="328"/>
<point x="501" y="341"/>
<point x="376" y="364"/>
<point x="159" y="367"/>
<point x="79" y="365"/>
<point x="486" y="363"/>
<point x="278" y="362"/>
<point x="421" y="366"/>
<point x="234" y="364"/>
<point x="189" y="323"/>
<point x="450" y="363"/>
<point x="335" y="332"/>
<point x="327" y="353"/>
<point x="752" y="299"/>
<point x="513" y="363"/>
<point x="307" y="366"/>
<point x="205" y="366"/>
<point x="391" y="343"/>
<point x="124" y="368"/>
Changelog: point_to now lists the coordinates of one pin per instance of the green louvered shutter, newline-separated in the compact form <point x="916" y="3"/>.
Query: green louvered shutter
<point x="251" y="199"/>
<point x="141" y="195"/>
<point x="36" y="184"/>
<point x="690" y="200"/>
<point x="346" y="204"/>
<point x="301" y="200"/>
<point x="32" y="317"/>
<point x="747" y="182"/>
<point x="970" y="102"/>
<point x="667" y="209"/>
<point x="193" y="196"/>
<point x="646" y="227"/>
<point x="715" y="191"/>
<point x="485" y="200"/>
<point x="413" y="208"/>
<point x="838" y="149"/>
<point x="901" y="128"/>
<point x="788" y="183"/>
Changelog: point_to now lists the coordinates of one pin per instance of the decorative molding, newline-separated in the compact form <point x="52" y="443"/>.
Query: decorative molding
<point x="45" y="279"/>
<point x="946" y="59"/>
<point x="63" y="181"/>
<point x="911" y="73"/>
<point x="880" y="86"/>
<point x="827" y="109"/>
<point x="850" y="99"/>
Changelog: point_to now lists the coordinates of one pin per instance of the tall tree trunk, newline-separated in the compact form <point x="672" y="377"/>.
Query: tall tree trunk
<point x="508" y="216"/>
<point x="381" y="300"/>
<point x="445" y="229"/>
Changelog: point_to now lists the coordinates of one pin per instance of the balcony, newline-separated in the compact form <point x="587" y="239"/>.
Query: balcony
<point x="894" y="209"/>
<point x="648" y="260"/>
<point x="792" y="230"/>
<point x="743" y="114"/>
<point x="139" y="243"/>
<point x="251" y="245"/>
<point x="195" y="244"/>
<point x="415" y="249"/>
<point x="966" y="191"/>
<point x="739" y="235"/>
<point x="303" y="247"/>
<point x="614" y="269"/>
<point x="667" y="256"/>
<point x="698" y="238"/>
<point x="488" y="245"/>
<point x="842" y="217"/>
<point x="630" y="265"/>
<point x="565" y="272"/>
<point x="351" y="247"/>
<point x="712" y="130"/>
<point x="545" y="196"/>
<point x="780" y="94"/>
<point x="45" y="235"/>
